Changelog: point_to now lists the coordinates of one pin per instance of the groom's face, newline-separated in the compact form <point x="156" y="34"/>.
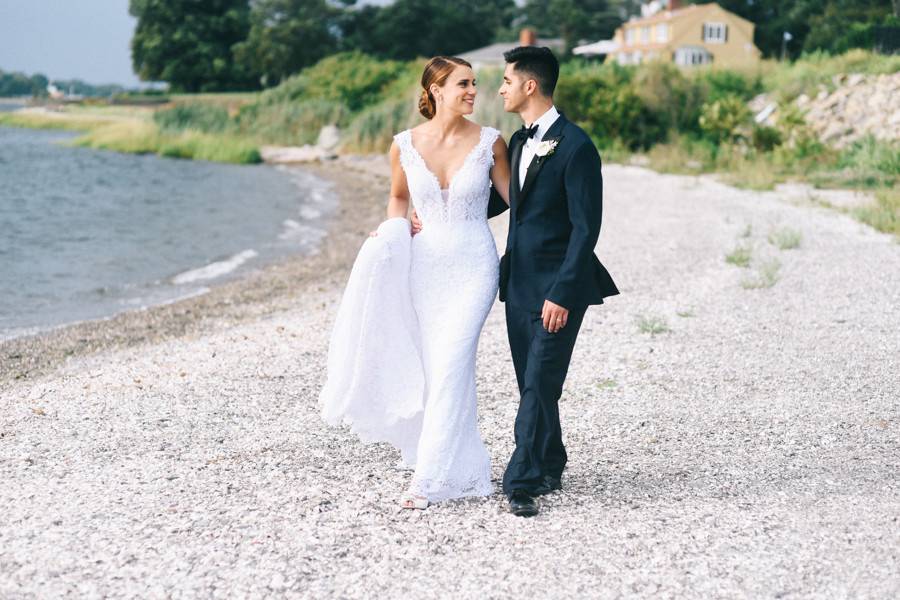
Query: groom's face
<point x="513" y="89"/>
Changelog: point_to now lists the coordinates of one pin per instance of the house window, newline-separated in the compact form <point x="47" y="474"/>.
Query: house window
<point x="637" y="57"/>
<point x="629" y="36"/>
<point x="715" y="33"/>
<point x="690" y="56"/>
<point x="645" y="35"/>
<point x="662" y="32"/>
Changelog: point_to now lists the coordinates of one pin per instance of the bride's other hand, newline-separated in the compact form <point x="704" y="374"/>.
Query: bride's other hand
<point x="416" y="223"/>
<point x="373" y="233"/>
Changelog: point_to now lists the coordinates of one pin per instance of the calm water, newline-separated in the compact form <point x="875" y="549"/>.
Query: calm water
<point x="86" y="234"/>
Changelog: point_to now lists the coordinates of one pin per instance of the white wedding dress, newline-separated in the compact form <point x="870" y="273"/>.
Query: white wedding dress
<point x="401" y="364"/>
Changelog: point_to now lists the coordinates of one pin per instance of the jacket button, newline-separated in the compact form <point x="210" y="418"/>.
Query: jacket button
<point x="518" y="221"/>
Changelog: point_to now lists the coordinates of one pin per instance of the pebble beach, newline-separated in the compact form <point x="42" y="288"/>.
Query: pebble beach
<point x="732" y="421"/>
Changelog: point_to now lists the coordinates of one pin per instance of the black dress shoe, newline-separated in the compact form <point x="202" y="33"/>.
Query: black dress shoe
<point x="522" y="504"/>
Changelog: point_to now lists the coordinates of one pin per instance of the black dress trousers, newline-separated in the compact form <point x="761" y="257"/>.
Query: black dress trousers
<point x="541" y="360"/>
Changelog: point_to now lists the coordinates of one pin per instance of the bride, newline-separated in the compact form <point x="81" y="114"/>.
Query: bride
<point x="401" y="363"/>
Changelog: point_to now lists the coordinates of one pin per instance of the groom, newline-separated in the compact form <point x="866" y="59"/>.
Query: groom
<point x="549" y="274"/>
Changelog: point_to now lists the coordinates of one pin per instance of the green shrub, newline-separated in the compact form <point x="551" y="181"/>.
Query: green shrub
<point x="724" y="120"/>
<point x="353" y="79"/>
<point x="765" y="138"/>
<point x="674" y="99"/>
<point x="871" y="162"/>
<point x="619" y="113"/>
<point x="577" y="87"/>
<point x="721" y="83"/>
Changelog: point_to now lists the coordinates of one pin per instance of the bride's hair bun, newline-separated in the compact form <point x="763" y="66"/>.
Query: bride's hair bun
<point x="426" y="105"/>
<point x="436" y="71"/>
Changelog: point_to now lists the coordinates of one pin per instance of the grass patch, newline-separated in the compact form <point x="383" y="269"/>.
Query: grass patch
<point x="146" y="139"/>
<point x="785" y="238"/>
<point x="884" y="214"/>
<point x="47" y="120"/>
<point x="740" y="256"/>
<point x="652" y="324"/>
<point x="606" y="384"/>
<point x="766" y="276"/>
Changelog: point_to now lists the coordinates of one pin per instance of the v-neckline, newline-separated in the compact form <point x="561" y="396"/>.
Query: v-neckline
<point x="462" y="165"/>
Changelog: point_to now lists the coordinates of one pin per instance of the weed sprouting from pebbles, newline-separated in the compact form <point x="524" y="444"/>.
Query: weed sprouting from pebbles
<point x="785" y="238"/>
<point x="766" y="276"/>
<point x="740" y="256"/>
<point x="606" y="384"/>
<point x="686" y="313"/>
<point x="748" y="231"/>
<point x="652" y="324"/>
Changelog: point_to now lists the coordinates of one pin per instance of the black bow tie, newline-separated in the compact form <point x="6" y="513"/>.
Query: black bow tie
<point x="529" y="132"/>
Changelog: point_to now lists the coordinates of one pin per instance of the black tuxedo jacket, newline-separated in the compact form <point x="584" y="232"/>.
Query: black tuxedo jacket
<point x="554" y="225"/>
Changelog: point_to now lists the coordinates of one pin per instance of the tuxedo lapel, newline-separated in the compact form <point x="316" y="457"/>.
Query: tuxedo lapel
<point x="553" y="134"/>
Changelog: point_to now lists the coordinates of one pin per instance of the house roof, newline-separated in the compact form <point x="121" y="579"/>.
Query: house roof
<point x="668" y="15"/>
<point x="663" y="15"/>
<point x="494" y="52"/>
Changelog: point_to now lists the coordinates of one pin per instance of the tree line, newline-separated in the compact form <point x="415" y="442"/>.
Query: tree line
<point x="221" y="45"/>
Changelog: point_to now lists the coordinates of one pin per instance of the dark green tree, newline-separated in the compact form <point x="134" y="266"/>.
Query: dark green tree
<point x="189" y="43"/>
<point x="287" y="35"/>
<point x="411" y="28"/>
<point x="812" y="24"/>
<point x="575" y="20"/>
<point x="845" y="24"/>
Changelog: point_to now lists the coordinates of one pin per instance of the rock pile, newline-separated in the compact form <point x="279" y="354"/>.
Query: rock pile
<point x="860" y="105"/>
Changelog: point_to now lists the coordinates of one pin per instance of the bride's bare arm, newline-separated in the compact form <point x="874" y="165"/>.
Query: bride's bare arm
<point x="500" y="170"/>
<point x="398" y="203"/>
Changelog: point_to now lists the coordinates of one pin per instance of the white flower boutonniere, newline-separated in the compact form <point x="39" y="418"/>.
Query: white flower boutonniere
<point x="546" y="148"/>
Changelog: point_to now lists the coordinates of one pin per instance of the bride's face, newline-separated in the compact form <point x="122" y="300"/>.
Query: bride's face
<point x="458" y="92"/>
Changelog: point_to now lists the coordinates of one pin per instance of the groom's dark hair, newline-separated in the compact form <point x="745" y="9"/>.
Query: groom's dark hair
<point x="537" y="63"/>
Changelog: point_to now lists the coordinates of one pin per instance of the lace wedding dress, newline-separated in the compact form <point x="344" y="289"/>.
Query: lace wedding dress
<point x="401" y="364"/>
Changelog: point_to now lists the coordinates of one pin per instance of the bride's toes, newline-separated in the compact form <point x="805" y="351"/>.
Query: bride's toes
<point x="413" y="501"/>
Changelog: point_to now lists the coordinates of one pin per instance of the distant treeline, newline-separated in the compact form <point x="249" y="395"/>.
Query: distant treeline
<point x="20" y="84"/>
<point x="221" y="45"/>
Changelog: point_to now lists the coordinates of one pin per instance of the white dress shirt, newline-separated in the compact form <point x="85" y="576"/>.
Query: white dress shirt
<point x="544" y="122"/>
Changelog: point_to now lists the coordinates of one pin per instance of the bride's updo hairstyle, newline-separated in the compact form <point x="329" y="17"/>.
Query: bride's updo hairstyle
<point x="436" y="71"/>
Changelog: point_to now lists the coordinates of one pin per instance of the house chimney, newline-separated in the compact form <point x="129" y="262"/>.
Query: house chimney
<point x="527" y="37"/>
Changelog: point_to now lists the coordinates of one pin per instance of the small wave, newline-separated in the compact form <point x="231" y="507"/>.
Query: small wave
<point x="309" y="213"/>
<point x="216" y="269"/>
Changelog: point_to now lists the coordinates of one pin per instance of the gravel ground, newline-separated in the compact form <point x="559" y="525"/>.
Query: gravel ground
<point x="748" y="448"/>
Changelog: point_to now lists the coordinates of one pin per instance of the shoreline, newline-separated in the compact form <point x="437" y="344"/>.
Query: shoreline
<point x="754" y="417"/>
<point x="257" y="292"/>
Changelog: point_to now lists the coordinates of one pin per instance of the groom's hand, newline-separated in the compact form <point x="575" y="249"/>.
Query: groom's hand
<point x="554" y="316"/>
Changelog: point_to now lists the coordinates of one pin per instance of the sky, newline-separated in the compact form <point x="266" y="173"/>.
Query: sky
<point x="68" y="39"/>
<point x="71" y="39"/>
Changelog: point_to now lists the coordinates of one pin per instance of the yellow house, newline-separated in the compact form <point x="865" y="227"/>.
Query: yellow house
<point x="698" y="34"/>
